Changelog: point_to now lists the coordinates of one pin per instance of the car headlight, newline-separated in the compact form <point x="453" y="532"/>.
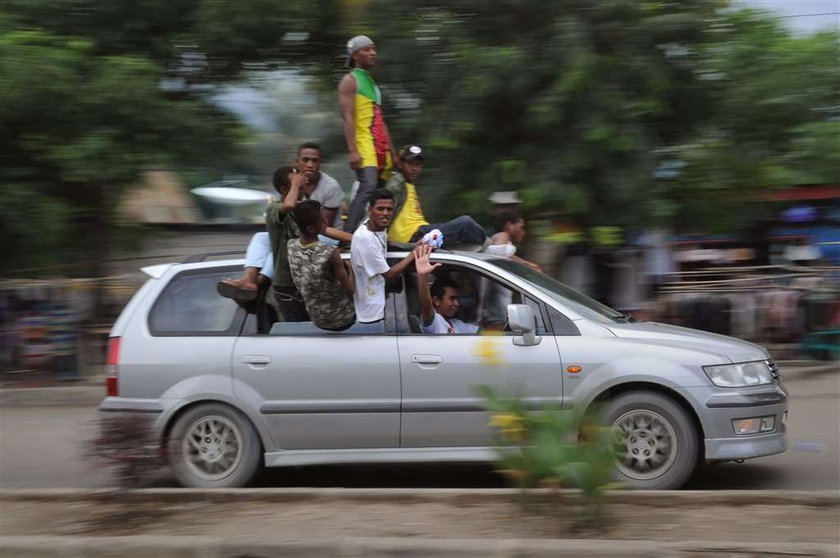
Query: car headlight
<point x="740" y="375"/>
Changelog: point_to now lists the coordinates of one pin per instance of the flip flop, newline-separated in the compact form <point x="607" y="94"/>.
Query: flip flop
<point x="238" y="294"/>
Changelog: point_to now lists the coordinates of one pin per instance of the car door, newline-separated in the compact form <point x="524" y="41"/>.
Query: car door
<point x="319" y="390"/>
<point x="441" y="373"/>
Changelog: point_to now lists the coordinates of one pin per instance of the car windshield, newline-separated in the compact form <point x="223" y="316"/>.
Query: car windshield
<point x="564" y="294"/>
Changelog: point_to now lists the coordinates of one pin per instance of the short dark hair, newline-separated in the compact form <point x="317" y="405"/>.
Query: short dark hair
<point x="280" y="178"/>
<point x="504" y="218"/>
<point x="307" y="214"/>
<point x="308" y="145"/>
<point x="440" y="285"/>
<point x="380" y="194"/>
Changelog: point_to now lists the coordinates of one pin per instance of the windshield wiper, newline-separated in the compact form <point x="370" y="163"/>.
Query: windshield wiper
<point x="624" y="319"/>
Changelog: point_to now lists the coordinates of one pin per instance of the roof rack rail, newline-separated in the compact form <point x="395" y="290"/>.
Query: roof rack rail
<point x="195" y="258"/>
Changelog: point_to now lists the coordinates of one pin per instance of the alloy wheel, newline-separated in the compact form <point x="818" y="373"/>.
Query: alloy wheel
<point x="212" y="447"/>
<point x="645" y="443"/>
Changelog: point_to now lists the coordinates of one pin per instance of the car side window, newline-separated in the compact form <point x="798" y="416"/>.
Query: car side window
<point x="190" y="306"/>
<point x="561" y="324"/>
<point x="482" y="301"/>
<point x="539" y="309"/>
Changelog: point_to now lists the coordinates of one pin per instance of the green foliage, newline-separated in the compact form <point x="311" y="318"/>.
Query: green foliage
<point x="198" y="40"/>
<point x="576" y="93"/>
<point x="591" y="99"/>
<point x="553" y="448"/>
<point x="577" y="104"/>
<point x="776" y="122"/>
<point x="76" y="129"/>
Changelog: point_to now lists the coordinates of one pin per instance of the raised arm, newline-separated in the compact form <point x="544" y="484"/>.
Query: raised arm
<point x="424" y="268"/>
<point x="290" y="200"/>
<point x="347" y="104"/>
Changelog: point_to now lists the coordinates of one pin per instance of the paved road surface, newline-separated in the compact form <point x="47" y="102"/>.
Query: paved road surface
<point x="42" y="447"/>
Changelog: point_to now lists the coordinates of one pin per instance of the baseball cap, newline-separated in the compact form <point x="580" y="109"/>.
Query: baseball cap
<point x="412" y="153"/>
<point x="354" y="44"/>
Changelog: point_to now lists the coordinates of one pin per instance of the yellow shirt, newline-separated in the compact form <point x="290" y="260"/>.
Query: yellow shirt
<point x="410" y="218"/>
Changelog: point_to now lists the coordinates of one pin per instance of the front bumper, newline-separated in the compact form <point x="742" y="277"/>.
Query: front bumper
<point x="717" y="409"/>
<point x="745" y="447"/>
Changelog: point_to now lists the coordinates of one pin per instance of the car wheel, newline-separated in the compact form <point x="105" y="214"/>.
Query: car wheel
<point x="655" y="441"/>
<point x="214" y="446"/>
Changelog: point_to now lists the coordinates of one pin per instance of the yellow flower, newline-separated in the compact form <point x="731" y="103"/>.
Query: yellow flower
<point x="487" y="350"/>
<point x="510" y="425"/>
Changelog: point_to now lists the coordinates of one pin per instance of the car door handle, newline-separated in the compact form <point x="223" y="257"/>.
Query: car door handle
<point x="257" y="361"/>
<point x="428" y="360"/>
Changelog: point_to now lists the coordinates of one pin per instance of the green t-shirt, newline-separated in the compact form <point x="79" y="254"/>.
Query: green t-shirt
<point x="281" y="228"/>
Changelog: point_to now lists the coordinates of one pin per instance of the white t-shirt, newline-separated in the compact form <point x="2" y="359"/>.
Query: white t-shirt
<point x="442" y="325"/>
<point x="503" y="250"/>
<point x="367" y="256"/>
<point x="329" y="193"/>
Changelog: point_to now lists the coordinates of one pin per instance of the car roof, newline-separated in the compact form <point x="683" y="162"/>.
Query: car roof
<point x="157" y="271"/>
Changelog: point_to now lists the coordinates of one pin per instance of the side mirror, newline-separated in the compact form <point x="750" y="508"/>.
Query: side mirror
<point x="521" y="320"/>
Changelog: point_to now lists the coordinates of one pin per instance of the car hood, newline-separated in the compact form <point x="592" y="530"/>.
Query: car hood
<point x="728" y="348"/>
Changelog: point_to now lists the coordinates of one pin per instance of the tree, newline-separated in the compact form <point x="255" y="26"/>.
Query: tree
<point x="195" y="40"/>
<point x="617" y="112"/>
<point x="76" y="128"/>
<point x="566" y="101"/>
<point x="93" y="91"/>
<point x="776" y="121"/>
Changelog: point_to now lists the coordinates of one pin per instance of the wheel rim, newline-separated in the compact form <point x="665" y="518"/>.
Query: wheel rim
<point x="645" y="444"/>
<point x="212" y="448"/>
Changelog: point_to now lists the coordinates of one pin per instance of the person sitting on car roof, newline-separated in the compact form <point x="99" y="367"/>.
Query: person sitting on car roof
<point x="409" y="224"/>
<point x="291" y="185"/>
<point x="510" y="231"/>
<point x="259" y="259"/>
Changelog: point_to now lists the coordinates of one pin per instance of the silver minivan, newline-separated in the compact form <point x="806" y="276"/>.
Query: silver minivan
<point x="227" y="399"/>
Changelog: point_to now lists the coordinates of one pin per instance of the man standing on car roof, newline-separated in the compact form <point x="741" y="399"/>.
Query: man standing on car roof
<point x="365" y="131"/>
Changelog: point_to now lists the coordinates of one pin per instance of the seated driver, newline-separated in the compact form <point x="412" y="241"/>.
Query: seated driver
<point x="438" y="305"/>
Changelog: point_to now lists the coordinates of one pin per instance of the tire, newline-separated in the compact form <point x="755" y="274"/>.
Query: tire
<point x="213" y="445"/>
<point x="645" y="422"/>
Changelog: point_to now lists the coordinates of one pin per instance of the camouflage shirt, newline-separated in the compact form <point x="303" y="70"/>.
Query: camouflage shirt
<point x="327" y="305"/>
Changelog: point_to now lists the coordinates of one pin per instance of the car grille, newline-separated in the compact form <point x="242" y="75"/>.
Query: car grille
<point x="774" y="370"/>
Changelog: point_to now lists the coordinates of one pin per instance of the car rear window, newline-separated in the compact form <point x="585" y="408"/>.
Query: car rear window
<point x="190" y="305"/>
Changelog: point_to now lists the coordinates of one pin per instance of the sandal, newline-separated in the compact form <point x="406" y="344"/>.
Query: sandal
<point x="239" y="294"/>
